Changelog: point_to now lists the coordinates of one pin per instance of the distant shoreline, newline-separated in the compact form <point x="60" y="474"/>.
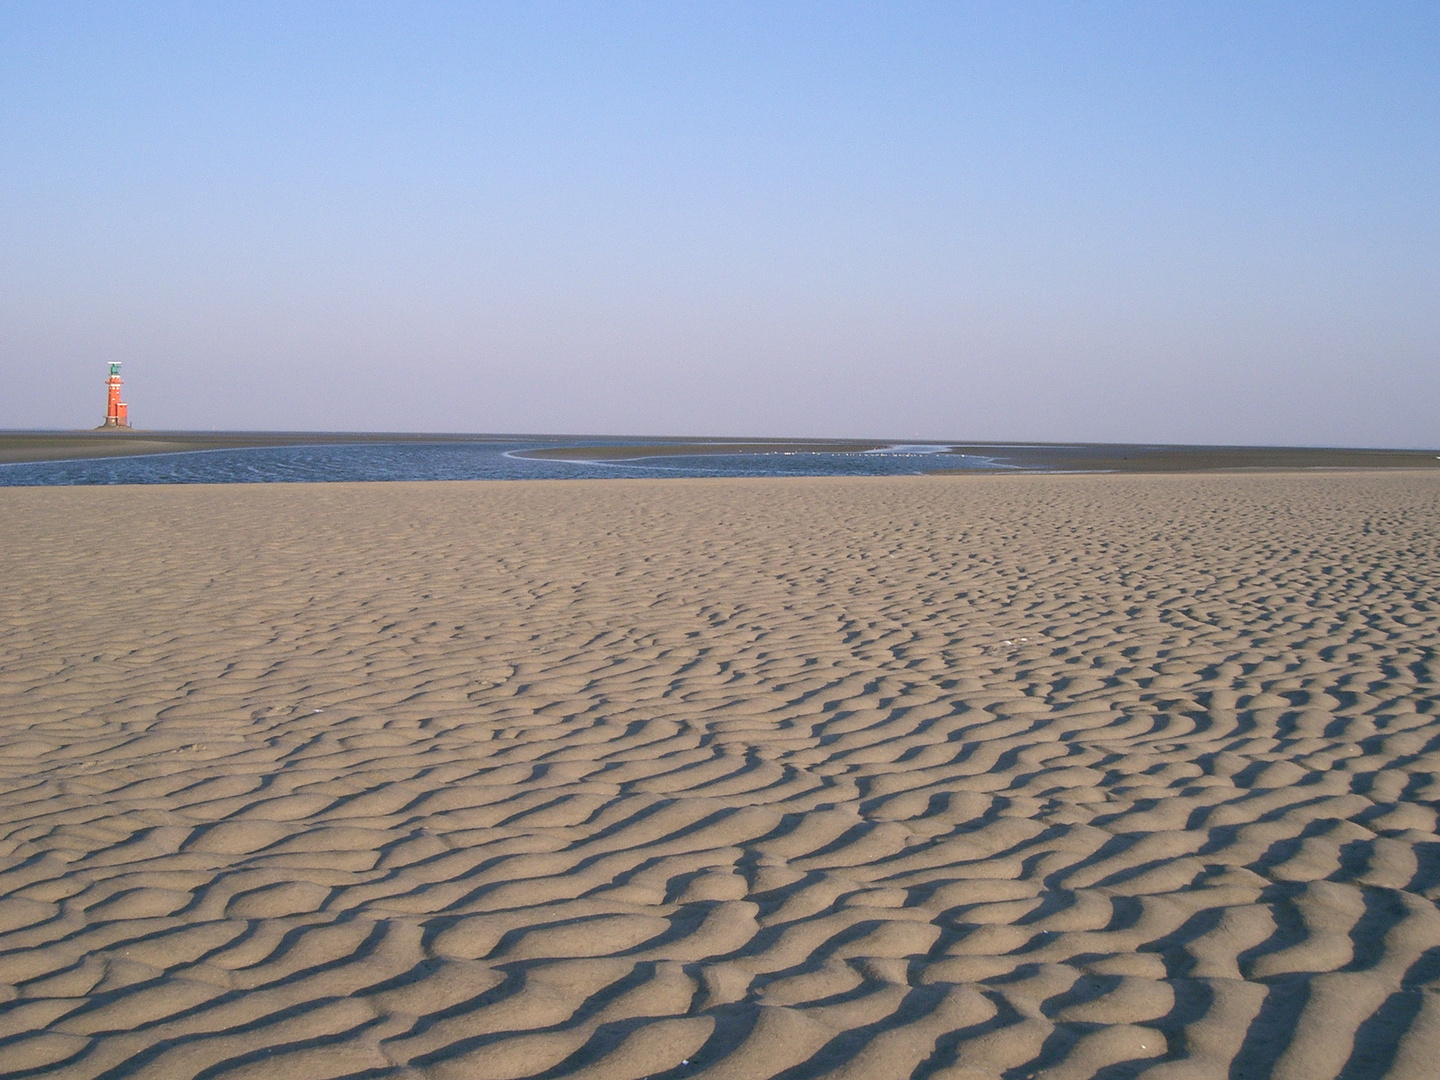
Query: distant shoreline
<point x="37" y="446"/>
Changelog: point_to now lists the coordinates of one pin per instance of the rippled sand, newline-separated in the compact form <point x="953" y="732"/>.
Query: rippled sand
<point x="934" y="777"/>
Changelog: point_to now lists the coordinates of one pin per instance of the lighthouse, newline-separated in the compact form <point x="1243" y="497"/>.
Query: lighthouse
<point x="117" y="413"/>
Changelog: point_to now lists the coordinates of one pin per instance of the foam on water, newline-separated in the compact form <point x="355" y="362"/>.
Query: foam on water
<point x="911" y="448"/>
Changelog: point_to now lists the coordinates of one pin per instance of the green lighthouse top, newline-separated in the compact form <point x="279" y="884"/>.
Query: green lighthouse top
<point x="114" y="369"/>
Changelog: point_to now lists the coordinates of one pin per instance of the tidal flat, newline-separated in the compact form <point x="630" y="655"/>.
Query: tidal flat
<point x="949" y="776"/>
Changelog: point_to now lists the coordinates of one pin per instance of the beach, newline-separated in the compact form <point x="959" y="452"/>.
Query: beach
<point x="988" y="776"/>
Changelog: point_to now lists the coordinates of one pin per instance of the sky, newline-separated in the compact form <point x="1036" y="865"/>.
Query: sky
<point x="1147" y="222"/>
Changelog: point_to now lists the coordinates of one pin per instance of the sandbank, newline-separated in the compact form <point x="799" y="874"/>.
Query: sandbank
<point x="947" y="777"/>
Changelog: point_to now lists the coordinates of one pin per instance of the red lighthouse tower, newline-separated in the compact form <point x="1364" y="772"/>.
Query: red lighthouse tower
<point x="117" y="413"/>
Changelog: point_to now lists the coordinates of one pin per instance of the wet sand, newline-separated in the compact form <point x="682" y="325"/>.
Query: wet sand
<point x="951" y="777"/>
<point x="1037" y="457"/>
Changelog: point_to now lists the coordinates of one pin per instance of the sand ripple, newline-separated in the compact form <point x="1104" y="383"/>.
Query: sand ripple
<point x="941" y="777"/>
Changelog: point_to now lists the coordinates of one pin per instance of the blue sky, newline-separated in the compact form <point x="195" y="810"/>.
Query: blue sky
<point x="1177" y="222"/>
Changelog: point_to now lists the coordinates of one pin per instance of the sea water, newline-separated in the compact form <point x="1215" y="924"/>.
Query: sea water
<point x="468" y="461"/>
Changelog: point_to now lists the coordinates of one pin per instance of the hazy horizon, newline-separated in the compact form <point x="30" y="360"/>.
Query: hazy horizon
<point x="1061" y="222"/>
